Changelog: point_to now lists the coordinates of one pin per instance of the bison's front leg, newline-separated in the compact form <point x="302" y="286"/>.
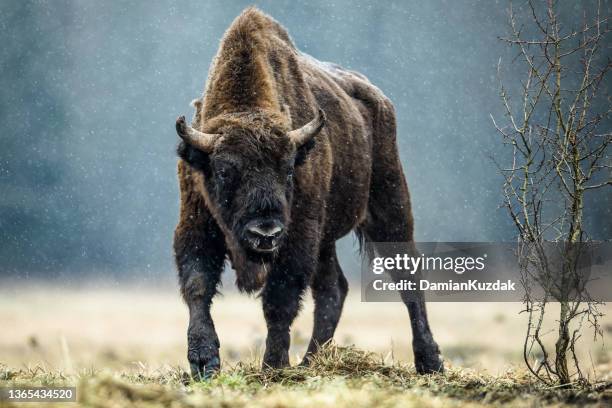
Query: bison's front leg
<point x="200" y="253"/>
<point x="202" y="340"/>
<point x="282" y="296"/>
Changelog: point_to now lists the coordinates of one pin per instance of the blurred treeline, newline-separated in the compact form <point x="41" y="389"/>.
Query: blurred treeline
<point x="90" y="91"/>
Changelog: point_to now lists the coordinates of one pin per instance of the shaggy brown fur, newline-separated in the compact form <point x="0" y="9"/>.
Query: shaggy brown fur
<point x="347" y="177"/>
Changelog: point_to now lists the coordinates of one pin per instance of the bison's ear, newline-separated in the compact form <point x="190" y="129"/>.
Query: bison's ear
<point x="304" y="134"/>
<point x="199" y="140"/>
<point x="194" y="157"/>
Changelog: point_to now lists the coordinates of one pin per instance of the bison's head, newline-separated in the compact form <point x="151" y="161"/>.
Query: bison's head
<point x="247" y="169"/>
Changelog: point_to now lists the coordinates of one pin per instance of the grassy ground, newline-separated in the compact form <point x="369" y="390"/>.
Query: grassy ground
<point x="126" y="347"/>
<point x="339" y="377"/>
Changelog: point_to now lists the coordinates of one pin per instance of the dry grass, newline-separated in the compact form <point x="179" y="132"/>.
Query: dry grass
<point x="338" y="377"/>
<point x="126" y="347"/>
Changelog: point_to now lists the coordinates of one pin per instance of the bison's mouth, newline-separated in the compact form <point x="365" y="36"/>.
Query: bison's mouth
<point x="262" y="245"/>
<point x="261" y="251"/>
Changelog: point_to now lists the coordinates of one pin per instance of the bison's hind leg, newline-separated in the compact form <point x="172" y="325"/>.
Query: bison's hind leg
<point x="390" y="219"/>
<point x="329" y="289"/>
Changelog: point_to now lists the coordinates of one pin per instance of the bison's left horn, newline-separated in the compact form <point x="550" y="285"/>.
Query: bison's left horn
<point x="309" y="130"/>
<point x="199" y="140"/>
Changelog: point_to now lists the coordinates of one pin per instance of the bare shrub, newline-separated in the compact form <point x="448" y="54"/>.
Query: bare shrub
<point x="558" y="148"/>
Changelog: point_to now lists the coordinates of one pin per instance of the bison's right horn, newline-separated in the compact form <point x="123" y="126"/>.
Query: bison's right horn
<point x="309" y="130"/>
<point x="197" y="139"/>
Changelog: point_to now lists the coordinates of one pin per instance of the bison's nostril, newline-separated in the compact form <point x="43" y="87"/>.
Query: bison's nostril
<point x="266" y="229"/>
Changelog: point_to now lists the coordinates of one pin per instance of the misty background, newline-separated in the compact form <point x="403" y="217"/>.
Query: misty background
<point x="90" y="92"/>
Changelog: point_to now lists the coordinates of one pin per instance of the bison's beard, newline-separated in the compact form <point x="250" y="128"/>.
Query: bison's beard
<point x="251" y="269"/>
<point x="251" y="276"/>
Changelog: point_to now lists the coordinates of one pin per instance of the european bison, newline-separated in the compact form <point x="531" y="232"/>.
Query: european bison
<point x="286" y="155"/>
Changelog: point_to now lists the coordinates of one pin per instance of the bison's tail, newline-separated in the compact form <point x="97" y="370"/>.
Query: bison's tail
<point x="362" y="238"/>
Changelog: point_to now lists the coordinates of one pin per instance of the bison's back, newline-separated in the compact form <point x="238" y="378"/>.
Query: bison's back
<point x="354" y="108"/>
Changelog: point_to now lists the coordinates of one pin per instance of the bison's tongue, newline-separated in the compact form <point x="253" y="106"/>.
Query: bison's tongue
<point x="251" y="276"/>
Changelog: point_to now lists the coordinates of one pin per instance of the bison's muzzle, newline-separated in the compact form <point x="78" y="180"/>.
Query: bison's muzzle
<point x="264" y="236"/>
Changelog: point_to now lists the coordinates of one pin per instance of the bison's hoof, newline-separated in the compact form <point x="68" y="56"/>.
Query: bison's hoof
<point x="429" y="364"/>
<point x="280" y="360"/>
<point x="307" y="360"/>
<point x="203" y="366"/>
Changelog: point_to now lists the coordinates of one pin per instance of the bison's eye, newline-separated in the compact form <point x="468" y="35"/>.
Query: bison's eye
<point x="289" y="175"/>
<point x="224" y="173"/>
<point x="221" y="175"/>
